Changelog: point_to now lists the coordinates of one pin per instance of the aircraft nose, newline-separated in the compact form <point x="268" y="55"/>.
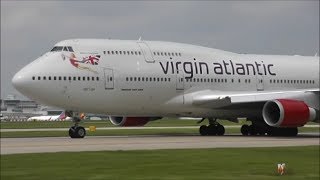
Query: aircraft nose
<point x="19" y="81"/>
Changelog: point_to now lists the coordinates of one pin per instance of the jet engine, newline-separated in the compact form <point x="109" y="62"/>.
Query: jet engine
<point x="131" y="121"/>
<point x="287" y="113"/>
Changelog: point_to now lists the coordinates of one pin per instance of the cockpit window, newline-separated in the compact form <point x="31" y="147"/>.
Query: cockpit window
<point x="70" y="49"/>
<point x="62" y="48"/>
<point x="57" y="48"/>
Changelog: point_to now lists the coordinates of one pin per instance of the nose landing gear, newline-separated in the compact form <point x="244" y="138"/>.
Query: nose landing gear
<point x="76" y="131"/>
<point x="214" y="128"/>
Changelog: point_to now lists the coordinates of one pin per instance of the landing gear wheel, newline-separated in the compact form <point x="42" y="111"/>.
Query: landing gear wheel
<point x="220" y="130"/>
<point x="252" y="130"/>
<point x="77" y="132"/>
<point x="203" y="130"/>
<point x="212" y="130"/>
<point x="245" y="130"/>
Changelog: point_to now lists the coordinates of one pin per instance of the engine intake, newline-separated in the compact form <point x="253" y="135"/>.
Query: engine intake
<point x="287" y="113"/>
<point x="130" y="121"/>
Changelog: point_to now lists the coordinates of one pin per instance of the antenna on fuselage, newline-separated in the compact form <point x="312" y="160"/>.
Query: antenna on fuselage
<point x="316" y="54"/>
<point x="140" y="38"/>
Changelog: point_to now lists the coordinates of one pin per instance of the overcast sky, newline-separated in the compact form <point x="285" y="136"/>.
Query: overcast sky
<point x="30" y="28"/>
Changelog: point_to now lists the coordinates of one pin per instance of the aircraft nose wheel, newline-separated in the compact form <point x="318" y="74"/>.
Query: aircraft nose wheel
<point x="77" y="132"/>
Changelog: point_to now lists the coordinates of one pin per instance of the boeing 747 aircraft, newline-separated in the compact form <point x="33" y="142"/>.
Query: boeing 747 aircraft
<point x="140" y="81"/>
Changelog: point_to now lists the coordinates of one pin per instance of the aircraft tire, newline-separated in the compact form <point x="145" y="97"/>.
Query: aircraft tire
<point x="245" y="130"/>
<point x="203" y="130"/>
<point x="252" y="130"/>
<point x="77" y="132"/>
<point x="220" y="130"/>
<point x="212" y="130"/>
<point x="80" y="132"/>
<point x="72" y="133"/>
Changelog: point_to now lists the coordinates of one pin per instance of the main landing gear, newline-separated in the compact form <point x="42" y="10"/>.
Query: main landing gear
<point x="254" y="130"/>
<point x="76" y="131"/>
<point x="213" y="129"/>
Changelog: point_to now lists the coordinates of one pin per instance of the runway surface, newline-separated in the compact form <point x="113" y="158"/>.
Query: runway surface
<point x="98" y="143"/>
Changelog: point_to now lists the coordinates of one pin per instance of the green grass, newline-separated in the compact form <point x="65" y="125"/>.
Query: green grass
<point x="127" y="132"/>
<point x="197" y="164"/>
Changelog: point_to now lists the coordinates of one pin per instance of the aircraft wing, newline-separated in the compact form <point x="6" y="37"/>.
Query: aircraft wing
<point x="229" y="99"/>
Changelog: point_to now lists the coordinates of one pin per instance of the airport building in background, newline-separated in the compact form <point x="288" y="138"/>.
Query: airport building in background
<point x="17" y="109"/>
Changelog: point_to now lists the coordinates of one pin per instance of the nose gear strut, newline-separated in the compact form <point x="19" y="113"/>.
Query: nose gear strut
<point x="76" y="131"/>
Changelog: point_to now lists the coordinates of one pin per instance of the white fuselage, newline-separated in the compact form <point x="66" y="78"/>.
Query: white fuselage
<point x="160" y="80"/>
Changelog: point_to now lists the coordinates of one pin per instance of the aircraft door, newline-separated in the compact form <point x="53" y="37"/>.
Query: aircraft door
<point x="146" y="52"/>
<point x="180" y="80"/>
<point x="109" y="79"/>
<point x="259" y="83"/>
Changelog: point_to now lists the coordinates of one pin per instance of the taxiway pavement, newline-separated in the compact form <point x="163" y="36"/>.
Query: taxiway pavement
<point x="113" y="143"/>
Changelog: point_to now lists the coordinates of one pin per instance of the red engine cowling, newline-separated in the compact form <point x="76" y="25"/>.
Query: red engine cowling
<point x="287" y="113"/>
<point x="129" y="121"/>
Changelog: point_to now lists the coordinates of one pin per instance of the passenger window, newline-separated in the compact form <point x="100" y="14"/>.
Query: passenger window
<point x="33" y="78"/>
<point x="44" y="78"/>
<point x="39" y="78"/>
<point x="120" y="52"/>
<point x="88" y="78"/>
<point x="83" y="78"/>
<point x="49" y="78"/>
<point x="74" y="78"/>
<point x="69" y="78"/>
<point x="54" y="78"/>
<point x="97" y="78"/>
